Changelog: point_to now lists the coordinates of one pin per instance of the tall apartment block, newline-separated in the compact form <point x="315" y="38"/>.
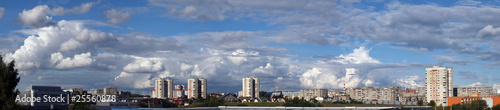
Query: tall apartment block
<point x="197" y="88"/>
<point x="439" y="84"/>
<point x="251" y="87"/>
<point x="163" y="88"/>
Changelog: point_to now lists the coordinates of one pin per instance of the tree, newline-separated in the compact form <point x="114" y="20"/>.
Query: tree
<point x="456" y="107"/>
<point x="313" y="100"/>
<point x="355" y="102"/>
<point x="212" y="102"/>
<point x="8" y="81"/>
<point x="296" y="102"/>
<point x="420" y="103"/>
<point x="478" y="105"/>
<point x="496" y="107"/>
<point x="474" y="105"/>
<point x="262" y="93"/>
<point x="432" y="103"/>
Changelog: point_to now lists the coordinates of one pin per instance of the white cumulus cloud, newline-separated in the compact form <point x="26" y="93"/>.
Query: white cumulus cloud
<point x="79" y="60"/>
<point x="144" y="65"/>
<point x="360" y="55"/>
<point x="38" y="16"/>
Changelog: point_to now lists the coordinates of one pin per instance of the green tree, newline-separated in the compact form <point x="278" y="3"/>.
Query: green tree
<point x="212" y="102"/>
<point x="474" y="105"/>
<point x="8" y="81"/>
<point x="296" y="102"/>
<point x="262" y="93"/>
<point x="431" y="103"/>
<point x="456" y="107"/>
<point x="420" y="103"/>
<point x="496" y="107"/>
<point x="355" y="102"/>
<point x="478" y="105"/>
<point x="313" y="100"/>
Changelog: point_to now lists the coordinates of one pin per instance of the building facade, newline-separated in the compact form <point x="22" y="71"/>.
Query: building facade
<point x="98" y="92"/>
<point x="110" y="91"/>
<point x="338" y="96"/>
<point x="250" y="87"/>
<point x="124" y="94"/>
<point x="74" y="90"/>
<point x="179" y="91"/>
<point x="163" y="88"/>
<point x="313" y="93"/>
<point x="197" y="88"/>
<point x="370" y="93"/>
<point x="439" y="84"/>
<point x="389" y="93"/>
<point x="363" y="93"/>
<point x="421" y="92"/>
<point x="474" y="91"/>
<point x="290" y="94"/>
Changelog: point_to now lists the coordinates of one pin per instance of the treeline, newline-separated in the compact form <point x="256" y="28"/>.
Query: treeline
<point x="296" y="102"/>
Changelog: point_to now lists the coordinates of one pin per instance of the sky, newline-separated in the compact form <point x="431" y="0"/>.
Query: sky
<point x="289" y="44"/>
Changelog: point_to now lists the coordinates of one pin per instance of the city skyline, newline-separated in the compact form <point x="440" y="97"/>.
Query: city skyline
<point x="289" y="45"/>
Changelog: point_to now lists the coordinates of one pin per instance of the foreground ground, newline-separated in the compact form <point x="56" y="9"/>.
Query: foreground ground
<point x="281" y="104"/>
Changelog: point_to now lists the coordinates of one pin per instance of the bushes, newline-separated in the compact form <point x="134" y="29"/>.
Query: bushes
<point x="356" y="102"/>
<point x="431" y="103"/>
<point x="296" y="102"/>
<point x="241" y="104"/>
<point x="474" y="105"/>
<point x="496" y="107"/>
<point x="212" y="102"/>
<point x="420" y="103"/>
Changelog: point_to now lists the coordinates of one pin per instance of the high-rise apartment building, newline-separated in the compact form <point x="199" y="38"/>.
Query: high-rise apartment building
<point x="197" y="88"/>
<point x="163" y="88"/>
<point x="439" y="84"/>
<point x="251" y="87"/>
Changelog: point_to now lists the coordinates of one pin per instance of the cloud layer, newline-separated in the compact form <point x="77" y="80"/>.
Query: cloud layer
<point x="462" y="35"/>
<point x="117" y="17"/>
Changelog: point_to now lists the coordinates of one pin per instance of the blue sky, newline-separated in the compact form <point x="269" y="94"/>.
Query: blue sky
<point x="288" y="44"/>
